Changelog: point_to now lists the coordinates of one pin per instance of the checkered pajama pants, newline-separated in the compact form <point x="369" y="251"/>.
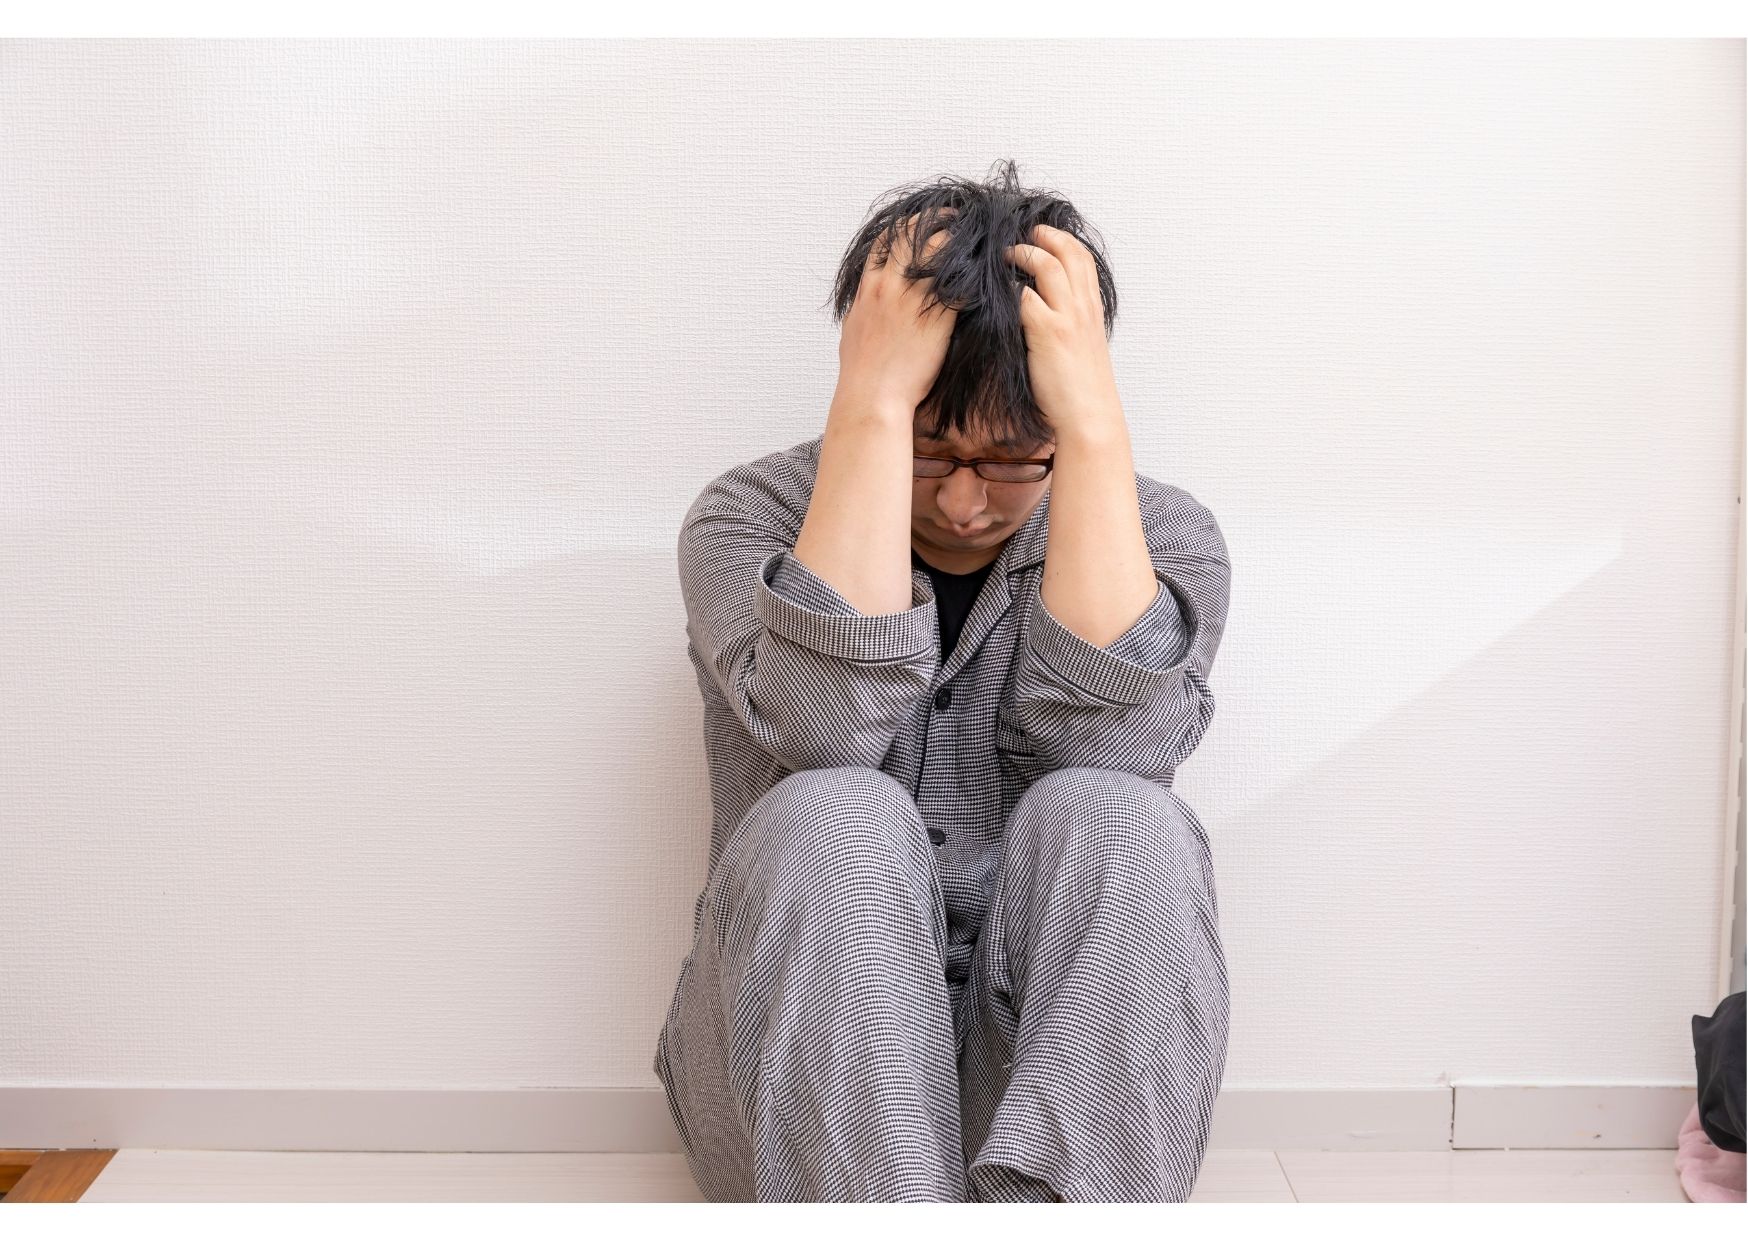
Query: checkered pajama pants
<point x="816" y="1048"/>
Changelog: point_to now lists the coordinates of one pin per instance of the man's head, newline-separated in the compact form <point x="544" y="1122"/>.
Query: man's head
<point x="981" y="403"/>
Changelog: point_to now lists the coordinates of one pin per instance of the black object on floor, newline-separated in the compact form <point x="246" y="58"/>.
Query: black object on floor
<point x="1717" y="1055"/>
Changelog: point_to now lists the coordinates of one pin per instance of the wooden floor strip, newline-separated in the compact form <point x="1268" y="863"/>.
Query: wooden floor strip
<point x="56" y="1175"/>
<point x="13" y="1165"/>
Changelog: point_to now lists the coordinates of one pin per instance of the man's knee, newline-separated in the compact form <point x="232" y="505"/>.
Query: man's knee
<point x="830" y="847"/>
<point x="832" y="785"/>
<point x="836" y="819"/>
<point x="1113" y="810"/>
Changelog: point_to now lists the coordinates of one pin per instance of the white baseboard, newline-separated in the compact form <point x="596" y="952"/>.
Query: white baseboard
<point x="629" y="1120"/>
<point x="1569" y="1117"/>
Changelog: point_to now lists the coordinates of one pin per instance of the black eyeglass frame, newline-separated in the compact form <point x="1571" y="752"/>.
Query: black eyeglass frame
<point x="1048" y="462"/>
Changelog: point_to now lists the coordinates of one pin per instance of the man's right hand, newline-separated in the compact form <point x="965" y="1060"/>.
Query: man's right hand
<point x="891" y="349"/>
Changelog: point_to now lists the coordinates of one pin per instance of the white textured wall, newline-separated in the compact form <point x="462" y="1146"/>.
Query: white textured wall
<point x="346" y="731"/>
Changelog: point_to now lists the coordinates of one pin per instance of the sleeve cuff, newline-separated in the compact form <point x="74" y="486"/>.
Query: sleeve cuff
<point x="1150" y="651"/>
<point x="796" y="603"/>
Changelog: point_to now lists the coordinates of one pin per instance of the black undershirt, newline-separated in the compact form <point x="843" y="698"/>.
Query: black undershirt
<point x="954" y="595"/>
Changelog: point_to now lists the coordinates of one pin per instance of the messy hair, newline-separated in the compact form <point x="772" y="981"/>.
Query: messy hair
<point x="983" y="390"/>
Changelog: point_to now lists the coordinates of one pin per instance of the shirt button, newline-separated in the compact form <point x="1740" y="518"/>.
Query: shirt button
<point x="943" y="698"/>
<point x="937" y="836"/>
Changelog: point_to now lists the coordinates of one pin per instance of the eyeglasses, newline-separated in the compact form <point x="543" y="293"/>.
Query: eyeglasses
<point x="993" y="471"/>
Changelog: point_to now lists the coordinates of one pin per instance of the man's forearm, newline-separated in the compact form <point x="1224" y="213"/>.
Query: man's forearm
<point x="1098" y="576"/>
<point x="857" y="533"/>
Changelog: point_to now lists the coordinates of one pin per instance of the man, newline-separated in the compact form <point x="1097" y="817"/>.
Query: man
<point x="958" y="939"/>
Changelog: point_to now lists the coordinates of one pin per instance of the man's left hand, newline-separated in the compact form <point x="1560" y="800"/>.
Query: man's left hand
<point x="1067" y="358"/>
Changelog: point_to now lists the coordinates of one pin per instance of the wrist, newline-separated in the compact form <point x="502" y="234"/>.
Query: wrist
<point x="858" y="405"/>
<point x="1100" y="428"/>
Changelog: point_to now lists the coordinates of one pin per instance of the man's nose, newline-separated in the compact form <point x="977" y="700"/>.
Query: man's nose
<point x="964" y="492"/>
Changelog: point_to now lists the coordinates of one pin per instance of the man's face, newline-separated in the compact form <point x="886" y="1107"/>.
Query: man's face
<point x="959" y="523"/>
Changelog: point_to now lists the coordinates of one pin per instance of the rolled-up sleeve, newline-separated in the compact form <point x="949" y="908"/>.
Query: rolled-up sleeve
<point x="815" y="682"/>
<point x="1141" y="703"/>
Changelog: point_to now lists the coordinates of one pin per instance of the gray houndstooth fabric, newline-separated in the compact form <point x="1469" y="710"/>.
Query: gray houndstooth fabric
<point x="958" y="939"/>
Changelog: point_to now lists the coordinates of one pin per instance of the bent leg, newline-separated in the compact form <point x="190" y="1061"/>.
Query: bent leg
<point x="1098" y="998"/>
<point x="809" y="1050"/>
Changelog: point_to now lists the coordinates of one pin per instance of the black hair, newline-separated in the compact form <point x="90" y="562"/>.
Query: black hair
<point x="983" y="390"/>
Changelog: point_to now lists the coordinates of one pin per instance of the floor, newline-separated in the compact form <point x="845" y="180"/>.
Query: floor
<point x="1227" y="1175"/>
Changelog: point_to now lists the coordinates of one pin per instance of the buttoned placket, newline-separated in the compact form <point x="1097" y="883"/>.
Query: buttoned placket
<point x="992" y="602"/>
